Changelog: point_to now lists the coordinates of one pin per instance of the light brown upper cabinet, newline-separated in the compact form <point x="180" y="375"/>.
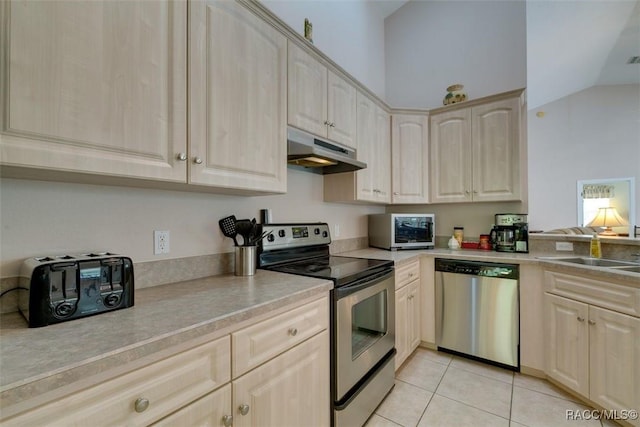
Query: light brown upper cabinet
<point x="95" y="87"/>
<point x="100" y="88"/>
<point x="320" y="101"/>
<point x="410" y="158"/>
<point x="372" y="184"/>
<point x="238" y="126"/>
<point x="476" y="152"/>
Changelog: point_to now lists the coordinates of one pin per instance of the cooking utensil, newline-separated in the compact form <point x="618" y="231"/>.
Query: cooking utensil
<point x="244" y="227"/>
<point x="228" y="227"/>
<point x="258" y="239"/>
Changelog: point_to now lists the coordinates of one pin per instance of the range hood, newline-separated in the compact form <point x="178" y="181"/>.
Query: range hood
<point x="319" y="156"/>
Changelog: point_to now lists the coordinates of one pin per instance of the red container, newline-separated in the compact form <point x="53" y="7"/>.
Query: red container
<point x="485" y="242"/>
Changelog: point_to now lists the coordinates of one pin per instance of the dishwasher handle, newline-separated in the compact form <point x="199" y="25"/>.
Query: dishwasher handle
<point x="478" y="268"/>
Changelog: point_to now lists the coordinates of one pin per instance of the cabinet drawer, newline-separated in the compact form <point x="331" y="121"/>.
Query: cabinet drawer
<point x="624" y="299"/>
<point x="256" y="344"/>
<point x="167" y="385"/>
<point x="407" y="273"/>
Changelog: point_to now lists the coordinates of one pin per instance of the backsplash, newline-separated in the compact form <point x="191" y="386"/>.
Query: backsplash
<point x="155" y="273"/>
<point x="162" y="272"/>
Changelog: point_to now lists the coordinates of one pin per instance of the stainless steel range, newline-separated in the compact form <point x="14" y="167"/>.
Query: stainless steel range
<point x="362" y="314"/>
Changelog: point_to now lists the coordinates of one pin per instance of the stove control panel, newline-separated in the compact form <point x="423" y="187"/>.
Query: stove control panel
<point x="284" y="236"/>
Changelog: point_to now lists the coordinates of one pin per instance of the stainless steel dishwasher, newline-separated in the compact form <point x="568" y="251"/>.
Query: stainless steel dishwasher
<point x="477" y="311"/>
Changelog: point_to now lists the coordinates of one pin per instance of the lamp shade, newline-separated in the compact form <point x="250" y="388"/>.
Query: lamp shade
<point x="608" y="217"/>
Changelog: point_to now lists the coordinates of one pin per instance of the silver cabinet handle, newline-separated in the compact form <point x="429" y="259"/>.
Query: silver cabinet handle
<point x="467" y="192"/>
<point x="182" y="156"/>
<point x="244" y="409"/>
<point x="395" y="193"/>
<point x="332" y="125"/>
<point x="293" y="332"/>
<point x="141" y="404"/>
<point x="591" y="322"/>
<point x="475" y="192"/>
<point x="580" y="319"/>
<point x="197" y="160"/>
<point x="227" y="420"/>
<point x="410" y="274"/>
<point x="326" y="123"/>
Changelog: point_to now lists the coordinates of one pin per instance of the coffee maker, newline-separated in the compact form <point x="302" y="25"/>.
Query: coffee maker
<point x="510" y="233"/>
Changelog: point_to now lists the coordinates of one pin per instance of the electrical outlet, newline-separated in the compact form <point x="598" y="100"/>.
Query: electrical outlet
<point x="564" y="246"/>
<point x="336" y="230"/>
<point x="161" y="242"/>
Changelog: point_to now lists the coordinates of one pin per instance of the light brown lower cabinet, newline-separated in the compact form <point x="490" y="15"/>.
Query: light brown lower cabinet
<point x="195" y="387"/>
<point x="291" y="390"/>
<point x="592" y="350"/>
<point x="407" y="311"/>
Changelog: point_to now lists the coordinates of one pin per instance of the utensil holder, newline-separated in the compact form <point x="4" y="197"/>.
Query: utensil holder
<point x="245" y="260"/>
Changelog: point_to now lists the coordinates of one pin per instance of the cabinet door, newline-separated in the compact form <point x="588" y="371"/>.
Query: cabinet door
<point x="567" y="335"/>
<point x="496" y="142"/>
<point x="451" y="156"/>
<point x="96" y="87"/>
<point x="208" y="411"/>
<point x="413" y="315"/>
<point x="290" y="390"/>
<point x="614" y="359"/>
<point x="402" y="342"/>
<point x="307" y="92"/>
<point x="410" y="159"/>
<point x="238" y="99"/>
<point x="341" y="110"/>
<point x="382" y="157"/>
<point x="366" y="148"/>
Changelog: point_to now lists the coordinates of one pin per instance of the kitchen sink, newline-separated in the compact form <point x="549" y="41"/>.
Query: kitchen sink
<point x="633" y="269"/>
<point x="596" y="262"/>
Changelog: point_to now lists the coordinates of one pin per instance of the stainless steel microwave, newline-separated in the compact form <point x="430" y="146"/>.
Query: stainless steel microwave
<point x="402" y="231"/>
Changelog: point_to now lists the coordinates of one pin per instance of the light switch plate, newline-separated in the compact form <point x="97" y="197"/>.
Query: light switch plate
<point x="564" y="246"/>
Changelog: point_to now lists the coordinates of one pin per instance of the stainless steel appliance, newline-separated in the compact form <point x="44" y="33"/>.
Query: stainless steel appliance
<point x="55" y="289"/>
<point x="362" y="314"/>
<point x="394" y="231"/>
<point x="318" y="155"/>
<point x="510" y="233"/>
<point x="477" y="311"/>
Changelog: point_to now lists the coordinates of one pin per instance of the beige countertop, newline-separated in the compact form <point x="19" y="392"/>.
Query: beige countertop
<point x="544" y="260"/>
<point x="34" y="361"/>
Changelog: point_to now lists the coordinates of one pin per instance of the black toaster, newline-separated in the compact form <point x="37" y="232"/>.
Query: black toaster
<point x="67" y="287"/>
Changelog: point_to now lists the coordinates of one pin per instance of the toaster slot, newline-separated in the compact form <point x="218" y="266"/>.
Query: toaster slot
<point x="63" y="282"/>
<point x="111" y="275"/>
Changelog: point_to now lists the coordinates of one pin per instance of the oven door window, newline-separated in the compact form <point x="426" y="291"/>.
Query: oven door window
<point x="413" y="230"/>
<point x="368" y="323"/>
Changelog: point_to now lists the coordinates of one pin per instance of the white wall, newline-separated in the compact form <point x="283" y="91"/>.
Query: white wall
<point x="351" y="33"/>
<point x="45" y="218"/>
<point x="430" y="45"/>
<point x="592" y="134"/>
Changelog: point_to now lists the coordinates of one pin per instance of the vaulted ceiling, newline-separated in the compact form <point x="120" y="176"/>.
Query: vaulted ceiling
<point x="573" y="44"/>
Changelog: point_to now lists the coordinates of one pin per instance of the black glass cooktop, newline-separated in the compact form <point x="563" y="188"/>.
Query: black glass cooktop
<point x="342" y="270"/>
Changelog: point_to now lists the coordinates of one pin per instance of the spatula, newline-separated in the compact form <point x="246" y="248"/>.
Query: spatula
<point x="228" y="227"/>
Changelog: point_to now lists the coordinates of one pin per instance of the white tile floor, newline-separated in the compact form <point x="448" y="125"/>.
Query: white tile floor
<point x="437" y="389"/>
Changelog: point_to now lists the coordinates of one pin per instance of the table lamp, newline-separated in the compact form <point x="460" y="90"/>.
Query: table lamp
<point x="607" y="218"/>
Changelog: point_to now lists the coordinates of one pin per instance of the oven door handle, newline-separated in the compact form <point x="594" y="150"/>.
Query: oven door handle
<point x="363" y="283"/>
